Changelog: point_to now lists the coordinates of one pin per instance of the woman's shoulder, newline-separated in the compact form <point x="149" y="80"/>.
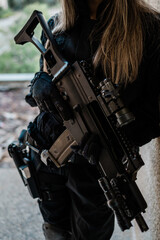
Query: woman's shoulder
<point x="151" y="26"/>
<point x="150" y="19"/>
<point x="151" y="33"/>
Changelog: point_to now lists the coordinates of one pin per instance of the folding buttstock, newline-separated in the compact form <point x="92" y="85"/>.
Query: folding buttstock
<point x="26" y="34"/>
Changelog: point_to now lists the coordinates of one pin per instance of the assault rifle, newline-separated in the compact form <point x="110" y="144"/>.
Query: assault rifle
<point x="85" y="108"/>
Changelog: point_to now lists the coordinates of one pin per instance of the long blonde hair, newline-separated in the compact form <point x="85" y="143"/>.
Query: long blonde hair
<point x="121" y="44"/>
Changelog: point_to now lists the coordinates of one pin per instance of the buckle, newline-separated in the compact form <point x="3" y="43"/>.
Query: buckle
<point x="46" y="195"/>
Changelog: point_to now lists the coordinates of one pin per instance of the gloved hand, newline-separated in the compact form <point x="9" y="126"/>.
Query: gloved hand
<point x="42" y="92"/>
<point x="45" y="129"/>
<point x="47" y="97"/>
<point x="89" y="148"/>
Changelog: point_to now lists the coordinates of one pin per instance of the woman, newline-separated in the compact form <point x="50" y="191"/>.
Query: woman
<point x="122" y="40"/>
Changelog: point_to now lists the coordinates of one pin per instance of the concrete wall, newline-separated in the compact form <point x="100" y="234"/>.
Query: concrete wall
<point x="154" y="3"/>
<point x="149" y="184"/>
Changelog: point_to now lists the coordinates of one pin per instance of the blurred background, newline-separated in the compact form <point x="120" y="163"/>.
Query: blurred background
<point x="17" y="65"/>
<point x="19" y="215"/>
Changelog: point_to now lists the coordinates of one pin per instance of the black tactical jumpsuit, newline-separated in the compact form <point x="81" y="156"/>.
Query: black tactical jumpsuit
<point x="73" y="200"/>
<point x="77" y="201"/>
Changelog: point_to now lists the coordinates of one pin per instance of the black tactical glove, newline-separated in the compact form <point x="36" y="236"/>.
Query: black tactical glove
<point x="45" y="129"/>
<point x="42" y="92"/>
<point x="29" y="98"/>
<point x="89" y="148"/>
<point x="47" y="97"/>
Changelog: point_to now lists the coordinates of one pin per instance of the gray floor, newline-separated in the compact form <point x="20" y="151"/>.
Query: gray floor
<point x="19" y="214"/>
